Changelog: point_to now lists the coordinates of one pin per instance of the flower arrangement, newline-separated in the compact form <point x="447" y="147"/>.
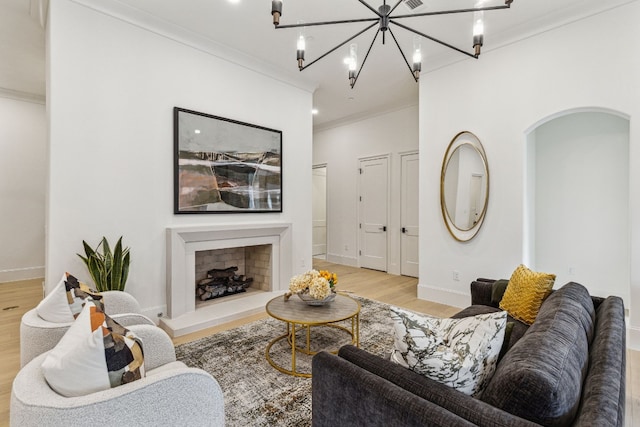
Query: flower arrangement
<point x="318" y="284"/>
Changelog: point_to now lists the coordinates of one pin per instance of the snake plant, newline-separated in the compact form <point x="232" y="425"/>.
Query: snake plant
<point x="109" y="270"/>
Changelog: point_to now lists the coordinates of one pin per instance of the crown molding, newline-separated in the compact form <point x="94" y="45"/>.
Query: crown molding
<point x="162" y="28"/>
<point x="365" y="115"/>
<point x="22" y="96"/>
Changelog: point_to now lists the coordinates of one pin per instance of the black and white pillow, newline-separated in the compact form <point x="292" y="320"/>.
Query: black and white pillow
<point x="461" y="353"/>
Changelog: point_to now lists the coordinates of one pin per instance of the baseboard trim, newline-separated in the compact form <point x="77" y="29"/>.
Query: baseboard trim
<point x="633" y="337"/>
<point x="155" y="313"/>
<point x="17" y="274"/>
<point x="443" y="296"/>
<point x="342" y="260"/>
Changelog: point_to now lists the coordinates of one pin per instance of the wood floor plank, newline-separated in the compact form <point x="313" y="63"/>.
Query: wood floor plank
<point x="400" y="291"/>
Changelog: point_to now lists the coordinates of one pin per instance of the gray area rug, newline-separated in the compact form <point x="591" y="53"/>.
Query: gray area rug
<point x="255" y="393"/>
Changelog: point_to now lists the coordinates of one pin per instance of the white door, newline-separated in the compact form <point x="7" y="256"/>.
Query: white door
<point x="373" y="207"/>
<point x="319" y="211"/>
<point x="409" y="215"/>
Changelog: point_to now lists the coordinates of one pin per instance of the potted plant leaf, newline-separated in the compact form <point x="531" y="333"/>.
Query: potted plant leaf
<point x="109" y="270"/>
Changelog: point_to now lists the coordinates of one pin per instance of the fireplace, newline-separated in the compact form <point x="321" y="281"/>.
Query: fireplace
<point x="267" y="248"/>
<point x="229" y="271"/>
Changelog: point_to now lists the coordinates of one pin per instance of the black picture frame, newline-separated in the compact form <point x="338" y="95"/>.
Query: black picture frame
<point x="225" y="166"/>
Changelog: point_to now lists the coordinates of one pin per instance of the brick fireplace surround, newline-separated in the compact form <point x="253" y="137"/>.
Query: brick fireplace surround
<point x="183" y="315"/>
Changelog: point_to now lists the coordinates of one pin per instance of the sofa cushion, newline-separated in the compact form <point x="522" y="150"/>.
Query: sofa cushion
<point x="525" y="293"/>
<point x="66" y="299"/>
<point x="461" y="353"/>
<point x="95" y="354"/>
<point x="540" y="378"/>
<point x="517" y="331"/>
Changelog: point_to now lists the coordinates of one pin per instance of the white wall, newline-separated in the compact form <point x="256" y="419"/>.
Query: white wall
<point x="340" y="148"/>
<point x="582" y="201"/>
<point x="583" y="64"/>
<point x="23" y="169"/>
<point x="112" y="89"/>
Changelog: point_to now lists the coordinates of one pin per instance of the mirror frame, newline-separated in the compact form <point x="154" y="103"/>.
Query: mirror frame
<point x="463" y="138"/>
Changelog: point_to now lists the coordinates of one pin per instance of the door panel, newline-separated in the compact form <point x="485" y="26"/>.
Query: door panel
<point x="374" y="196"/>
<point x="319" y="211"/>
<point x="409" y="261"/>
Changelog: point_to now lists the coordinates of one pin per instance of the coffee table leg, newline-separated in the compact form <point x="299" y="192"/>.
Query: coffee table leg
<point x="293" y="348"/>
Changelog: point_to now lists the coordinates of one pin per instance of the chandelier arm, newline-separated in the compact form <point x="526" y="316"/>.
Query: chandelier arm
<point x="394" y="7"/>
<point x="433" y="39"/>
<point x="403" y="55"/>
<point x="338" y="46"/>
<point x="448" y="12"/>
<point x="311" y="24"/>
<point x="370" y="8"/>
<point x="365" y="58"/>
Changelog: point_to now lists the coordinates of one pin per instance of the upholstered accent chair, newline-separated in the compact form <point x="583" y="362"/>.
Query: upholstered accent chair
<point x="169" y="394"/>
<point x="38" y="335"/>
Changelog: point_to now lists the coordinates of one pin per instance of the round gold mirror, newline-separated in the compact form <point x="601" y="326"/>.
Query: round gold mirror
<point x="464" y="186"/>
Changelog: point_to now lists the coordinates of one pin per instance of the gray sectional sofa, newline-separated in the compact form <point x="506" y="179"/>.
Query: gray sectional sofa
<point x="566" y="369"/>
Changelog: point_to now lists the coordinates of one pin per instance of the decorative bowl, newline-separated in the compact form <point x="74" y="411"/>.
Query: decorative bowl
<point x="309" y="300"/>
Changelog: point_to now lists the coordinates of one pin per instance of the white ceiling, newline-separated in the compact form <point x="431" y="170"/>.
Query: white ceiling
<point x="245" y="25"/>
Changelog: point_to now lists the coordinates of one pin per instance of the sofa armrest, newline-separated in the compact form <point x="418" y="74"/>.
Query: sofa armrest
<point x="157" y="346"/>
<point x="129" y="319"/>
<point x="481" y="293"/>
<point x="472" y="410"/>
<point x="166" y="396"/>
<point x="345" y="394"/>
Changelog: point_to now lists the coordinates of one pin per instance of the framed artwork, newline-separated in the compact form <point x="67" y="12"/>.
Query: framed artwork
<point x="225" y="166"/>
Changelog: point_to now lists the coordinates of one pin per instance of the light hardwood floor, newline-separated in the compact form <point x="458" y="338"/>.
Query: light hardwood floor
<point x="396" y="290"/>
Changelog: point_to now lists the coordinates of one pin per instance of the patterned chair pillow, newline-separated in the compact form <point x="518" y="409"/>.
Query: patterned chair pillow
<point x="95" y="354"/>
<point x="461" y="353"/>
<point x="65" y="301"/>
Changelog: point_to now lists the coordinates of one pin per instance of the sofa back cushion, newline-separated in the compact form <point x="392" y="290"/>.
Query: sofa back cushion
<point x="540" y="378"/>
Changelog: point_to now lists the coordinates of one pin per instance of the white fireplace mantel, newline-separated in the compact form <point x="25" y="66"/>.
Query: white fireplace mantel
<point x="183" y="243"/>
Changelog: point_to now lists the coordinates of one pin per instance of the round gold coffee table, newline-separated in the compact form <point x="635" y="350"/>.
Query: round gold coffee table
<point x="299" y="316"/>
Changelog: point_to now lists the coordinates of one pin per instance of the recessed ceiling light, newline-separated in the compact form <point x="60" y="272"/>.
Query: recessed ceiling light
<point x="197" y="131"/>
<point x="314" y="111"/>
<point x="234" y="1"/>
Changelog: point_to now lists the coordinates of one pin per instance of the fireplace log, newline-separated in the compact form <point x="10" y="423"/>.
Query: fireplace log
<point x="217" y="272"/>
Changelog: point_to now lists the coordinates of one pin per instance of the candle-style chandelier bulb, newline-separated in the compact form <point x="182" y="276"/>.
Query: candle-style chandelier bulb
<point x="478" y="31"/>
<point x="353" y="63"/>
<point x="417" y="58"/>
<point x="300" y="52"/>
<point x="276" y="11"/>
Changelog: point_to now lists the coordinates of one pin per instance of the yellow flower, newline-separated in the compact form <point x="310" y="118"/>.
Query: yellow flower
<point x="332" y="278"/>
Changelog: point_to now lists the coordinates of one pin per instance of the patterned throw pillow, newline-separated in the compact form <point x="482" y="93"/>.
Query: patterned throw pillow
<point x="65" y="301"/>
<point x="95" y="354"/>
<point x="461" y="353"/>
<point x="525" y="293"/>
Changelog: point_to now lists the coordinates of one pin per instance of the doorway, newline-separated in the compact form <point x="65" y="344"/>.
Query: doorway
<point x="578" y="201"/>
<point x="409" y="260"/>
<point x="319" y="211"/>
<point x="373" y="212"/>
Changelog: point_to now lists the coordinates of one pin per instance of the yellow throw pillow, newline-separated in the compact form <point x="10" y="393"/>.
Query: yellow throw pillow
<point x="525" y="293"/>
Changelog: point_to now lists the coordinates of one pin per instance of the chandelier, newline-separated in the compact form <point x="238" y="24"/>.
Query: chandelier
<point x="384" y="21"/>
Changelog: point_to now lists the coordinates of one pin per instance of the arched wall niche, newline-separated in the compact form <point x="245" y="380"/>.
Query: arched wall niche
<point x="576" y="196"/>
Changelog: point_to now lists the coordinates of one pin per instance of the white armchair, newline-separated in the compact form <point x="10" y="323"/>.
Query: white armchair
<point x="38" y="335"/>
<point x="171" y="394"/>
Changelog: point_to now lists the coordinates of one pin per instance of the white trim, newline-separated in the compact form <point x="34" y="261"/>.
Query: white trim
<point x="633" y="337"/>
<point x="18" y="274"/>
<point x="365" y="115"/>
<point x="342" y="260"/>
<point x="22" y="96"/>
<point x="443" y="296"/>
